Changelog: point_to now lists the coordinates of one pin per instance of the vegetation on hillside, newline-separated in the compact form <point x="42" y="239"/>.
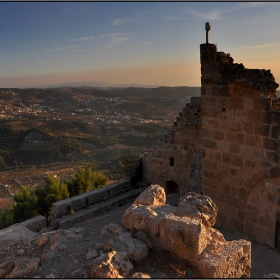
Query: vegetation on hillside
<point x="31" y="203"/>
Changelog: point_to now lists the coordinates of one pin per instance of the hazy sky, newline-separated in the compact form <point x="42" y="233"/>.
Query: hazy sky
<point x="131" y="42"/>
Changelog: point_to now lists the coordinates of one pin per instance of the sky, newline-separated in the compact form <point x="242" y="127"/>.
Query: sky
<point x="149" y="43"/>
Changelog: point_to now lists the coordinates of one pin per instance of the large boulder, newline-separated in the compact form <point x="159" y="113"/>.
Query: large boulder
<point x="6" y="268"/>
<point x="120" y="240"/>
<point x="111" y="265"/>
<point x="153" y="195"/>
<point x="59" y="240"/>
<point x="231" y="259"/>
<point x="196" y="206"/>
<point x="186" y="231"/>
<point x="24" y="268"/>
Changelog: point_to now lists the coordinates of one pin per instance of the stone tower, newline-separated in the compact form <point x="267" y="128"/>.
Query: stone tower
<point x="226" y="145"/>
<point x="241" y="140"/>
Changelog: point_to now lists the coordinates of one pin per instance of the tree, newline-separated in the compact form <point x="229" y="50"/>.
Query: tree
<point x="6" y="217"/>
<point x="85" y="180"/>
<point x="25" y="205"/>
<point x="55" y="190"/>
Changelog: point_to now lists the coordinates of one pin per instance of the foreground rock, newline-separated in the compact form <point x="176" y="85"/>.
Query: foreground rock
<point x="186" y="231"/>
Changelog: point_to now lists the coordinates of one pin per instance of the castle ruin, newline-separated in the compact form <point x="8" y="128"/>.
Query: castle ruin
<point x="226" y="145"/>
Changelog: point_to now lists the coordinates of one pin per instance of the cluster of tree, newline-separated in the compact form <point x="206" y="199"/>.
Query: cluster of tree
<point x="30" y="203"/>
<point x="103" y="141"/>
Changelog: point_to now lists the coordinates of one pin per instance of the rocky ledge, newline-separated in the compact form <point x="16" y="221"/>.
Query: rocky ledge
<point x="155" y="240"/>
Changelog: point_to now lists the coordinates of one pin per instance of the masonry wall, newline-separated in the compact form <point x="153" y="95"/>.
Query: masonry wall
<point x="176" y="158"/>
<point x="75" y="203"/>
<point x="240" y="137"/>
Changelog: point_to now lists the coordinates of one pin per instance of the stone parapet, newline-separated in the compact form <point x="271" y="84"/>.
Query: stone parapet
<point x="75" y="203"/>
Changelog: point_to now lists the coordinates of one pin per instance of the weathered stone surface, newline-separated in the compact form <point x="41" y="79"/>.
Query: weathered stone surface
<point x="190" y="236"/>
<point x="78" y="273"/>
<point x="59" y="239"/>
<point x="118" y="239"/>
<point x="142" y="236"/>
<point x="140" y="275"/>
<point x="92" y="253"/>
<point x="20" y="252"/>
<point x="111" y="265"/>
<point x="272" y="275"/>
<point x="197" y="206"/>
<point x="52" y="276"/>
<point x="24" y="268"/>
<point x="48" y="256"/>
<point x="231" y="259"/>
<point x="17" y="232"/>
<point x="6" y="268"/>
<point x="153" y="195"/>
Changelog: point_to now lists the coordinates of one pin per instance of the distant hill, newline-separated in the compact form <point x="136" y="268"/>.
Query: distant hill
<point x="96" y="84"/>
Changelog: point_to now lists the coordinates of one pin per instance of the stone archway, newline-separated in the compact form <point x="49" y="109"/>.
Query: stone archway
<point x="262" y="208"/>
<point x="171" y="187"/>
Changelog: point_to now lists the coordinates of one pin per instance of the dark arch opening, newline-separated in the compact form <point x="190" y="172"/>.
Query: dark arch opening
<point x="171" y="187"/>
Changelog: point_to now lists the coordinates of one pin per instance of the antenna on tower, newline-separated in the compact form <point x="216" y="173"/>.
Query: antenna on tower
<point x="207" y="28"/>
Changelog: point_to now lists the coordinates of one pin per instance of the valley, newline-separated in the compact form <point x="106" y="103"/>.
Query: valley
<point x="57" y="130"/>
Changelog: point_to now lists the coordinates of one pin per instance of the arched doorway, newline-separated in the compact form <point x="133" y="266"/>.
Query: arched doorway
<point x="171" y="187"/>
<point x="262" y="212"/>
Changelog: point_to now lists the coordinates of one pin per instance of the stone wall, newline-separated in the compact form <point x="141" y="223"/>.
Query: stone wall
<point x="240" y="137"/>
<point x="176" y="158"/>
<point x="75" y="203"/>
<point x="34" y="224"/>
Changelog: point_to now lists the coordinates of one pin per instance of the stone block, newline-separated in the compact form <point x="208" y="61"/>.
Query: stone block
<point x="226" y="158"/>
<point x="209" y="143"/>
<point x="234" y="202"/>
<point x="233" y="148"/>
<point x="274" y="172"/>
<point x="250" y="163"/>
<point x="230" y="136"/>
<point x="243" y="194"/>
<point x="261" y="129"/>
<point x="275" y="131"/>
<point x="234" y="126"/>
<point x="233" y="171"/>
<point x="205" y="132"/>
<point x="236" y="102"/>
<point x="270" y="144"/>
<point x="276" y="118"/>
<point x="208" y="69"/>
<point x="261" y="104"/>
<point x="215" y="175"/>
<point x="218" y="134"/>
<point x="234" y="191"/>
<point x="248" y="128"/>
<point x="213" y="155"/>
<point x="248" y="102"/>
<point x="239" y="138"/>
<point x="254" y="116"/>
<point x="240" y="214"/>
<point x="273" y="157"/>
<point x="209" y="164"/>
<point x="237" y="160"/>
<point x="224" y="146"/>
<point x="235" y="223"/>
<point x="256" y="177"/>
<point x="241" y="115"/>
<point x="252" y="140"/>
<point x="267" y="117"/>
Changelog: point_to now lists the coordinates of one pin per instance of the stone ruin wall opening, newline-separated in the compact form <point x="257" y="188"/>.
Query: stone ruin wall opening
<point x="177" y="156"/>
